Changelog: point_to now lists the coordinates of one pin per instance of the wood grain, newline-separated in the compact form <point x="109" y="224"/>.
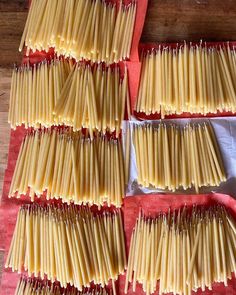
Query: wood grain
<point x="167" y="20"/>
<point x="190" y="20"/>
<point x="13" y="5"/>
<point x="11" y="28"/>
<point x="5" y="84"/>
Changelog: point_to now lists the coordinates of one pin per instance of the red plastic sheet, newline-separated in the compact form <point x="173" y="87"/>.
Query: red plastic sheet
<point x="138" y="27"/>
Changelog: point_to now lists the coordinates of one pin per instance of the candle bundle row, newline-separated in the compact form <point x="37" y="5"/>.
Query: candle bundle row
<point x="94" y="30"/>
<point x="69" y="244"/>
<point x="38" y="287"/>
<point x="192" y="79"/>
<point x="184" y="251"/>
<point x="58" y="93"/>
<point x="70" y="166"/>
<point x="171" y="157"/>
<point x="35" y="91"/>
<point x="93" y="97"/>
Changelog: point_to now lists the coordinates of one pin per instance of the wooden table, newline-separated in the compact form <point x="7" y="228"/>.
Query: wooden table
<point x="167" y="20"/>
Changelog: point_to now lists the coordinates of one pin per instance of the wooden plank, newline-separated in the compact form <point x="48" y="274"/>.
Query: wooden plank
<point x="167" y="20"/>
<point x="11" y="28"/>
<point x="190" y="20"/>
<point x="5" y="84"/>
<point x="13" y="5"/>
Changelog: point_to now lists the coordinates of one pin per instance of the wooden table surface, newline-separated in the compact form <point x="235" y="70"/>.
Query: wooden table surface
<point x="166" y="20"/>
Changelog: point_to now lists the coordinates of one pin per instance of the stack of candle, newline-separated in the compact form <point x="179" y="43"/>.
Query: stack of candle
<point x="36" y="286"/>
<point x="93" y="97"/>
<point x="95" y="30"/>
<point x="58" y="93"/>
<point x="171" y="157"/>
<point x="70" y="165"/>
<point x="35" y="91"/>
<point x="192" y="79"/>
<point x="70" y="244"/>
<point x="184" y="251"/>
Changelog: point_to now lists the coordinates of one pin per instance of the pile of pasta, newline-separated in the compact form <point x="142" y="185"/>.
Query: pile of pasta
<point x="172" y="157"/>
<point x="70" y="244"/>
<point x="184" y="250"/>
<point x="94" y="97"/>
<point x="193" y="79"/>
<point x="35" y="286"/>
<point x="71" y="166"/>
<point x="82" y="29"/>
<point x="35" y="91"/>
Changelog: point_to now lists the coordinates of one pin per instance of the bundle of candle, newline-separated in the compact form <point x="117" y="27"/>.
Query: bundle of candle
<point x="170" y="157"/>
<point x="95" y="30"/>
<point x="34" y="92"/>
<point x="36" y="287"/>
<point x="184" y="251"/>
<point x="93" y="97"/>
<point x="194" y="79"/>
<point x="68" y="243"/>
<point x="127" y="155"/>
<point x="70" y="165"/>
